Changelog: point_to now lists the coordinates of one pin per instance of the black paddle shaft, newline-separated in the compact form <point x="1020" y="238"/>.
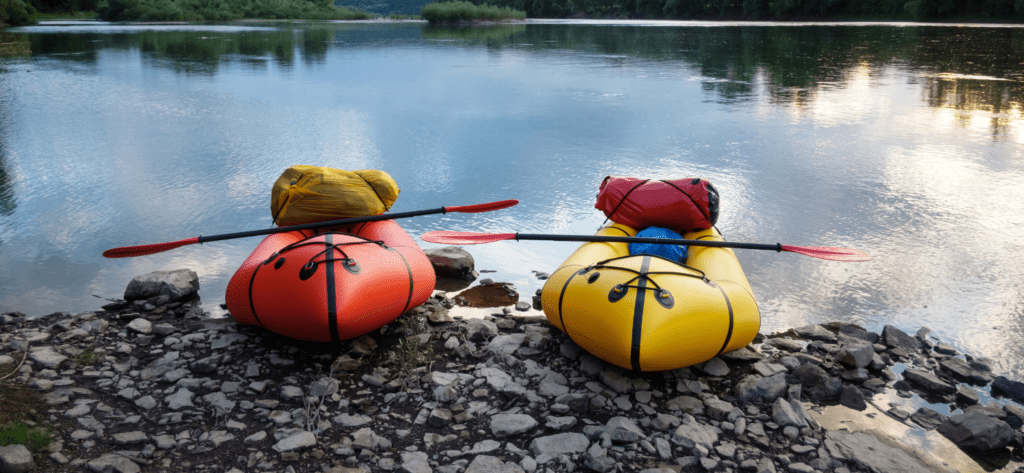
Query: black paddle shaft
<point x="314" y="225"/>
<point x="662" y="241"/>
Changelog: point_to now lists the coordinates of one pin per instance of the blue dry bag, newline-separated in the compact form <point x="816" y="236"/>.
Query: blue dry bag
<point x="671" y="252"/>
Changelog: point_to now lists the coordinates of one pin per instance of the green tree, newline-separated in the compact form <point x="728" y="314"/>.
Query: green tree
<point x="16" y="12"/>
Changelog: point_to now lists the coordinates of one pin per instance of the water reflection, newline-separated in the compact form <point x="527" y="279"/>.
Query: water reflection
<point x="869" y="137"/>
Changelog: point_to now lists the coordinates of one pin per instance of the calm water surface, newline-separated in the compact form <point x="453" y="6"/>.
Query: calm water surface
<point x="904" y="141"/>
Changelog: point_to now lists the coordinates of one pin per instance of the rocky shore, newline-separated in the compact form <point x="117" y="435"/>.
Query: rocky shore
<point x="153" y="384"/>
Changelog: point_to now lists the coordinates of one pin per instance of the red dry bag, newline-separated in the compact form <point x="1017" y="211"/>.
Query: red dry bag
<point x="682" y="205"/>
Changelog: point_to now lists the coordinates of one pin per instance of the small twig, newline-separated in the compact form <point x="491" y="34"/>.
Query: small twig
<point x="8" y="375"/>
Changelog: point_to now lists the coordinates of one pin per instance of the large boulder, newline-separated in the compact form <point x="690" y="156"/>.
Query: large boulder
<point x="976" y="432"/>
<point x="176" y="284"/>
<point x="927" y="381"/>
<point x="816" y="382"/>
<point x="871" y="454"/>
<point x="451" y="262"/>
<point x="1012" y="389"/>
<point x="893" y="337"/>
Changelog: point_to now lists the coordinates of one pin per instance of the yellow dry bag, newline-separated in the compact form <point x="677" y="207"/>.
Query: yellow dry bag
<point x="305" y="194"/>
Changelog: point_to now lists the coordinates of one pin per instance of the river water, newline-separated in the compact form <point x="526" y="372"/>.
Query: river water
<point x="902" y="140"/>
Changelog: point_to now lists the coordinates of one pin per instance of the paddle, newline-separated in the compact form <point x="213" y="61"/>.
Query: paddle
<point x="129" y="251"/>
<point x="471" y="238"/>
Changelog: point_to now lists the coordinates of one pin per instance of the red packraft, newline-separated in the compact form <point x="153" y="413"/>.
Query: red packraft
<point x="682" y="205"/>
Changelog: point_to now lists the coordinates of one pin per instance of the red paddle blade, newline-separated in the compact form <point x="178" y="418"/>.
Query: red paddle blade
<point x="465" y="238"/>
<point x="829" y="253"/>
<point x="501" y="204"/>
<point x="142" y="250"/>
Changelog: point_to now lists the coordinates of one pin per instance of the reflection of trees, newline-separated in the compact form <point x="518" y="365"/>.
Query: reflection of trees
<point x="499" y="33"/>
<point x="1002" y="99"/>
<point x="7" y="202"/>
<point x="794" y="63"/>
<point x="14" y="45"/>
<point x="194" y="52"/>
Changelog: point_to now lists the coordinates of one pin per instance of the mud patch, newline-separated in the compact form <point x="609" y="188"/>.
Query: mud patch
<point x="497" y="294"/>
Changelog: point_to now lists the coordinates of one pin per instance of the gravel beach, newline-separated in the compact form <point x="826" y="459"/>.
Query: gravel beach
<point x="154" y="384"/>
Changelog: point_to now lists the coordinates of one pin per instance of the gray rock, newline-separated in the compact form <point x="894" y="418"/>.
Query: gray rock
<point x="856" y="356"/>
<point x="1012" y="389"/>
<point x="366" y="438"/>
<point x="690" y="434"/>
<point x="599" y="463"/>
<point x="15" y="459"/>
<point x="480" y="330"/>
<point x="666" y="422"/>
<point x="768" y="369"/>
<point x="743" y="355"/>
<point x="220" y="403"/>
<point x="47" y="358"/>
<point x="789" y="413"/>
<point x="176" y="284"/>
<point x="295" y="441"/>
<point x="503" y="425"/>
<point x="130" y="438"/>
<point x="871" y="454"/>
<point x="928" y="381"/>
<point x="853" y="398"/>
<point x="451" y="262"/>
<point x="785" y="344"/>
<point x="141" y="325"/>
<point x="414" y="462"/>
<point x="717" y="409"/>
<point x="559" y="422"/>
<point x="964" y="371"/>
<point x="976" y="432"/>
<point x="687" y="404"/>
<point x="495" y="377"/>
<point x="111" y="463"/>
<point x="852" y="331"/>
<point x="559" y="443"/>
<point x="506" y="344"/>
<point x="966" y="395"/>
<point x="927" y="418"/>
<point x="816" y="382"/>
<point x="489" y="464"/>
<point x="715" y="367"/>
<point x="323" y="387"/>
<point x="352" y="420"/>
<point x="181" y="399"/>
<point x="758" y="389"/>
<point x="616" y="381"/>
<point x="624" y="423"/>
<point x="816" y="332"/>
<point x="893" y="337"/>
<point x="485" y="446"/>
<point x="439" y="417"/>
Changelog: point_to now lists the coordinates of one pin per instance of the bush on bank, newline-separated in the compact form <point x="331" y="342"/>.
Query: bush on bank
<point x="16" y="13"/>
<point x="460" y="11"/>
<point x="224" y="10"/>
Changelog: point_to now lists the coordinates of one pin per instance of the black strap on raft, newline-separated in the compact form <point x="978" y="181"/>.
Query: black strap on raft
<point x="663" y="297"/>
<point x="350" y="264"/>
